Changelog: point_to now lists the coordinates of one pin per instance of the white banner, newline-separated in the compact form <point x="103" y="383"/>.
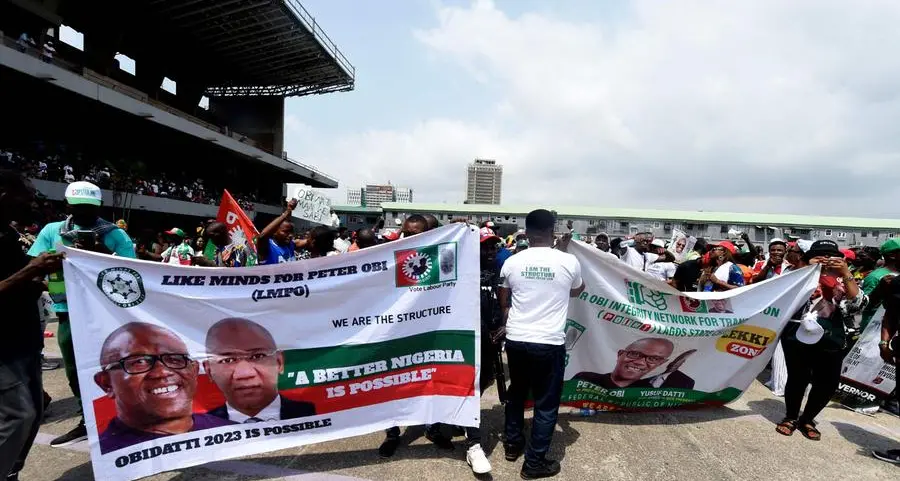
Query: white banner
<point x="181" y="366"/>
<point x="311" y="204"/>
<point x="866" y="380"/>
<point x="636" y="343"/>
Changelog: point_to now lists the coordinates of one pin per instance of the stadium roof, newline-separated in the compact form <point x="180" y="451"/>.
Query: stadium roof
<point x="646" y="214"/>
<point x="273" y="47"/>
<point x="231" y="47"/>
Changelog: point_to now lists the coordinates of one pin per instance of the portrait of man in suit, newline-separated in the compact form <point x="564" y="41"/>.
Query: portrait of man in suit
<point x="632" y="363"/>
<point x="720" y="306"/>
<point x="149" y="373"/>
<point x="245" y="363"/>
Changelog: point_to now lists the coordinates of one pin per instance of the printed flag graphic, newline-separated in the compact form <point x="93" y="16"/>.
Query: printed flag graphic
<point x="239" y="225"/>
<point x="693" y="305"/>
<point x="427" y="265"/>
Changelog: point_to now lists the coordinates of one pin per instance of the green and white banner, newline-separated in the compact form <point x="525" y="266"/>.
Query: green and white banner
<point x="636" y="343"/>
<point x="866" y="380"/>
<point x="181" y="366"/>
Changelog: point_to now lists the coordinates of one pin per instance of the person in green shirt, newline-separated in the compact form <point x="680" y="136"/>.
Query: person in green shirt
<point x="82" y="229"/>
<point x="890" y="251"/>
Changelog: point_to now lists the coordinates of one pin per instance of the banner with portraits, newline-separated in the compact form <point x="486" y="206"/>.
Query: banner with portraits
<point x="866" y="380"/>
<point x="635" y="343"/>
<point x="181" y="366"/>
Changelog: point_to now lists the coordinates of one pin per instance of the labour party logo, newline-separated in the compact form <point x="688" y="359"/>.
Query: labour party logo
<point x="122" y="286"/>
<point x="427" y="265"/>
<point x="693" y="305"/>
<point x="638" y="294"/>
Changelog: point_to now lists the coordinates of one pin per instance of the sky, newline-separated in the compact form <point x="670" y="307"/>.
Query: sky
<point x="763" y="106"/>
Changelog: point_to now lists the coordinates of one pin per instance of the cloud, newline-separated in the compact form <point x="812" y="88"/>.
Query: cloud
<point x="763" y="106"/>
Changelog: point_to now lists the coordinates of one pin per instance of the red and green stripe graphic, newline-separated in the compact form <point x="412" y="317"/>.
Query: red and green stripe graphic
<point x="345" y="377"/>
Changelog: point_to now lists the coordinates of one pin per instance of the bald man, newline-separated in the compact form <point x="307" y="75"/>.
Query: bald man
<point x="245" y="365"/>
<point x="632" y="363"/>
<point x="147" y="370"/>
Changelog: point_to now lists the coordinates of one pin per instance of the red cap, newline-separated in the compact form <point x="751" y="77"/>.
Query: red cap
<point x="391" y="236"/>
<point x="728" y="245"/>
<point x="848" y="254"/>
<point x="487" y="234"/>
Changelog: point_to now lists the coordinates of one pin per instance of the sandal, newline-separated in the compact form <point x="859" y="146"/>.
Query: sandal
<point x="786" y="427"/>
<point x="809" y="431"/>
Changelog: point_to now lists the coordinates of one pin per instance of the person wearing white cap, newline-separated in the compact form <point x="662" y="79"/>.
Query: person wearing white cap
<point x="82" y="229"/>
<point x="814" y="342"/>
<point x="665" y="268"/>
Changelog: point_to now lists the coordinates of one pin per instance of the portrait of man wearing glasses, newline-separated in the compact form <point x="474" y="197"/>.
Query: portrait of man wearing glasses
<point x="632" y="363"/>
<point x="146" y="369"/>
<point x="245" y="364"/>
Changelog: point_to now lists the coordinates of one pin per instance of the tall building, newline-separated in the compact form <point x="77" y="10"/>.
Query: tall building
<point x="355" y="197"/>
<point x="373" y="195"/>
<point x="403" y="195"/>
<point x="483" y="182"/>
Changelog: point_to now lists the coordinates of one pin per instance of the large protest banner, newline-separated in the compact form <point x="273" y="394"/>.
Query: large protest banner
<point x="181" y="366"/>
<point x="866" y="380"/>
<point x="636" y="343"/>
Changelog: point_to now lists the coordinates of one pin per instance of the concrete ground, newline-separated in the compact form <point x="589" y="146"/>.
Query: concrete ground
<point x="737" y="442"/>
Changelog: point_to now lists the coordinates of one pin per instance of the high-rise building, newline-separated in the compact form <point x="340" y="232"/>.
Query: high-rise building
<point x="355" y="197"/>
<point x="373" y="195"/>
<point x="403" y="195"/>
<point x="483" y="182"/>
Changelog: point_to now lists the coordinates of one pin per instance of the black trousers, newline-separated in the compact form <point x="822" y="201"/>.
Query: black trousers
<point x="21" y="410"/>
<point x="809" y="365"/>
<point x="538" y="369"/>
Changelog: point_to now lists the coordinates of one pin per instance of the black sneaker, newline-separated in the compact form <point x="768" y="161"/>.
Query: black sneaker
<point x="440" y="440"/>
<point x="513" y="451"/>
<point x="49" y="364"/>
<point x="71" y="437"/>
<point x="547" y="469"/>
<point x="388" y="447"/>
<point x="890" y="456"/>
<point x="12" y="477"/>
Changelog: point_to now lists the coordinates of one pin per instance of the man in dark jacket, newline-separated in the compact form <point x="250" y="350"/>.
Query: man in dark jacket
<point x="20" y="346"/>
<point x="491" y="319"/>
<point x="888" y="291"/>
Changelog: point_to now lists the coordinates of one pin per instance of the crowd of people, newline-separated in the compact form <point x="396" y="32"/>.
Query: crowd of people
<point x="132" y="178"/>
<point x="520" y="315"/>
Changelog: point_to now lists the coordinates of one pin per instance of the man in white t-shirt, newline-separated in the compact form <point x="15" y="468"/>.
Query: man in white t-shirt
<point x="663" y="269"/>
<point x="539" y="282"/>
<point x="640" y="256"/>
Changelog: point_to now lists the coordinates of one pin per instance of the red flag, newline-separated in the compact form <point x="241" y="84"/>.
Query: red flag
<point x="239" y="225"/>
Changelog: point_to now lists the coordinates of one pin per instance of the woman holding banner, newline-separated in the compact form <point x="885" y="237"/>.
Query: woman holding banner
<point x="814" y="341"/>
